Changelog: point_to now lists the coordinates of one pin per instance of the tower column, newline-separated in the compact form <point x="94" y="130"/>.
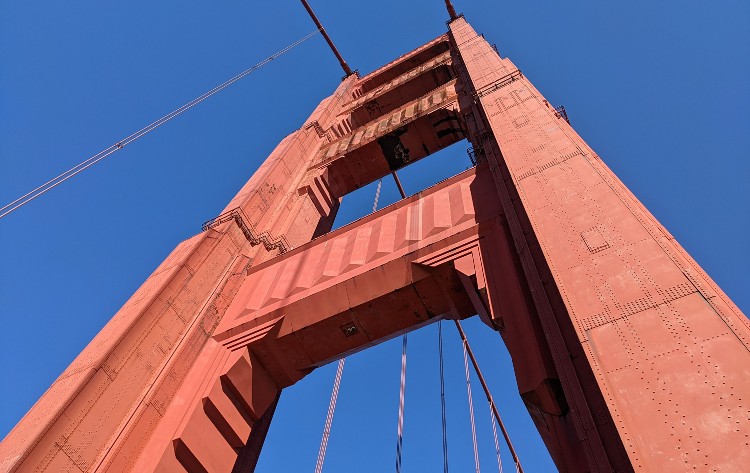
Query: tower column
<point x="648" y="349"/>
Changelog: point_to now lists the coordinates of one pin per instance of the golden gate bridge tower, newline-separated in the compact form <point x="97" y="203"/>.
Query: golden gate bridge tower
<point x="626" y="354"/>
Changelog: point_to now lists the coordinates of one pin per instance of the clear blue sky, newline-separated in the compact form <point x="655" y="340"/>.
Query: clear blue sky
<point x="658" y="89"/>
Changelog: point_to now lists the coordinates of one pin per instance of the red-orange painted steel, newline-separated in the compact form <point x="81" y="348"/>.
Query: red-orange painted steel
<point x="650" y="354"/>
<point x="626" y="354"/>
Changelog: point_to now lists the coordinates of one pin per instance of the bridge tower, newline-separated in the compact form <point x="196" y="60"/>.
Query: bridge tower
<point x="627" y="356"/>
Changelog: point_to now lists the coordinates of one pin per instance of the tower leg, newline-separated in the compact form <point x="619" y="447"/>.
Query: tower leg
<point x="650" y="354"/>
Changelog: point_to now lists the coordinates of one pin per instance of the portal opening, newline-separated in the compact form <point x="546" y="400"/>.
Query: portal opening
<point x="415" y="178"/>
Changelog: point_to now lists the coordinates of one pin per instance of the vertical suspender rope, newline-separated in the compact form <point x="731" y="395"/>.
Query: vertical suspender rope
<point x="329" y="416"/>
<point x="471" y="409"/>
<point x="442" y="397"/>
<point x="336" y="384"/>
<point x="497" y="444"/>
<point x="377" y="196"/>
<point x="402" y="392"/>
<point x="519" y="469"/>
<point x="402" y="387"/>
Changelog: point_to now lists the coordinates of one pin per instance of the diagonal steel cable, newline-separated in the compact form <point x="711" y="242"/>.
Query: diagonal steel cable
<point x="56" y="181"/>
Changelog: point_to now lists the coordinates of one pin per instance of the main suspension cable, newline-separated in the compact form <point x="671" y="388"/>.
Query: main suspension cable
<point x="52" y="183"/>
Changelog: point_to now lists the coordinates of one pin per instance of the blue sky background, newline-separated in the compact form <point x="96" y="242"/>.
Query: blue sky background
<point x="658" y="89"/>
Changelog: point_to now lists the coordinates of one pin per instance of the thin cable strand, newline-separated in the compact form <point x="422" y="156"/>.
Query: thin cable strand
<point x="337" y="382"/>
<point x="377" y="196"/>
<point x="490" y="400"/>
<point x="442" y="397"/>
<point x="497" y="444"/>
<point x="54" y="182"/>
<point x="471" y="410"/>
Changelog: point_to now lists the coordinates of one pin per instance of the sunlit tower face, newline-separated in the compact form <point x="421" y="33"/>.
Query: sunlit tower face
<point x="593" y="298"/>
